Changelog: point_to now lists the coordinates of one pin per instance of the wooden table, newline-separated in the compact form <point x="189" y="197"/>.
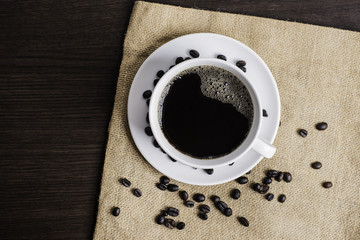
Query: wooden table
<point x="59" y="64"/>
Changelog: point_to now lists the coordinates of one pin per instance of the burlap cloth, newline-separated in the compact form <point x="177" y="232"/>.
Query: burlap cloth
<point x="317" y="70"/>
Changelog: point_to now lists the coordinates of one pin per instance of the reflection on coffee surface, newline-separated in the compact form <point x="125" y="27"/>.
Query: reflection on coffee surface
<point x="205" y="112"/>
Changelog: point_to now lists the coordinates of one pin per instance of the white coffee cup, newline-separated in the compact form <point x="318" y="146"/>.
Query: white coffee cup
<point x="252" y="141"/>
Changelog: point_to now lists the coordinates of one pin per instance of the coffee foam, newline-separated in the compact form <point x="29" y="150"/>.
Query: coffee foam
<point x="221" y="85"/>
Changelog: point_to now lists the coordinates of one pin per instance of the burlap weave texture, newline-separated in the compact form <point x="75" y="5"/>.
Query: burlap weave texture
<point x="317" y="70"/>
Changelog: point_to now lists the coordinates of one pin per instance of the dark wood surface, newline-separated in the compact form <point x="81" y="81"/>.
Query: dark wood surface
<point x="59" y="63"/>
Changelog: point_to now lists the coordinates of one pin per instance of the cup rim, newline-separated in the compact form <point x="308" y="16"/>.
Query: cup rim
<point x="233" y="156"/>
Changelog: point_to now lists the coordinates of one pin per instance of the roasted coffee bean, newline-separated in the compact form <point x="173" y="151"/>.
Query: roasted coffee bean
<point x="271" y="173"/>
<point x="267" y="180"/>
<point x="171" y="66"/>
<point x="160" y="73"/>
<point x="204" y="208"/>
<point x="209" y="171"/>
<point x="228" y="212"/>
<point x="235" y="193"/>
<point x="137" y="192"/>
<point x="161" y="186"/>
<point x="172" y="187"/>
<point x="264" y="189"/>
<point x="222" y="57"/>
<point x="242" y="180"/>
<point x="256" y="187"/>
<point x="243" y="69"/>
<point x="287" y="177"/>
<point x="169" y="223"/>
<point x="215" y="198"/>
<point x="269" y="196"/>
<point x="148" y="102"/>
<point x="115" y="211"/>
<point x="155" y="143"/>
<point x="179" y="60"/>
<point x="282" y="198"/>
<point x="279" y="177"/>
<point x="231" y="164"/>
<point x="203" y="216"/>
<point x="164" y="179"/>
<point x="240" y="63"/>
<point x="174" y="212"/>
<point x="148" y="131"/>
<point x="164" y="213"/>
<point x="221" y="206"/>
<point x="316" y="165"/>
<point x="194" y="53"/>
<point x="180" y="225"/>
<point x="198" y="197"/>
<point x="189" y="204"/>
<point x="160" y="219"/>
<point x="125" y="182"/>
<point x="321" y="126"/>
<point x="187" y="58"/>
<point x="147" y="117"/>
<point x="184" y="195"/>
<point x="302" y="132"/>
<point x="243" y="221"/>
<point x="172" y="159"/>
<point x="265" y="114"/>
<point x="156" y="81"/>
<point x="327" y="184"/>
<point x="147" y="94"/>
<point x="248" y="172"/>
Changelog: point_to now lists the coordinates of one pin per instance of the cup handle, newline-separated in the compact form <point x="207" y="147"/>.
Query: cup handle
<point x="265" y="149"/>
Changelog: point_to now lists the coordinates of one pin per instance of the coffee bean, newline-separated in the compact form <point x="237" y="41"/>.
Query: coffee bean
<point x="209" y="171"/>
<point x="243" y="221"/>
<point x="282" y="198"/>
<point x="172" y="159"/>
<point x="240" y="63"/>
<point x="242" y="180"/>
<point x="184" y="195"/>
<point x="171" y="66"/>
<point x="187" y="58"/>
<point x="279" y="177"/>
<point x="265" y="114"/>
<point x="169" y="223"/>
<point x="215" y="198"/>
<point x="164" y="213"/>
<point x="231" y="164"/>
<point x="194" y="53"/>
<point x="321" y="126"/>
<point x="147" y="94"/>
<point x="316" y="165"/>
<point x="243" y="69"/>
<point x="125" y="182"/>
<point x="256" y="187"/>
<point x="148" y="131"/>
<point x="327" y="184"/>
<point x="156" y="144"/>
<point x="189" y="204"/>
<point x="161" y="186"/>
<point x="115" y="211"/>
<point x="174" y="212"/>
<point x="180" y="225"/>
<point x="204" y="208"/>
<point x="221" y="206"/>
<point x="267" y="180"/>
<point x="271" y="173"/>
<point x="147" y="117"/>
<point x="264" y="189"/>
<point x="160" y="219"/>
<point x="156" y="81"/>
<point x="148" y="102"/>
<point x="228" y="212"/>
<point x="302" y="132"/>
<point x="269" y="196"/>
<point x="248" y="172"/>
<point x="222" y="57"/>
<point x="235" y="193"/>
<point x="160" y="73"/>
<point x="172" y="187"/>
<point x="164" y="179"/>
<point x="203" y="216"/>
<point x="179" y="60"/>
<point x="137" y="192"/>
<point x="198" y="197"/>
<point x="287" y="177"/>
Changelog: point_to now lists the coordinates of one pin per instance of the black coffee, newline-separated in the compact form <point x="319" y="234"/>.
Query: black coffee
<point x="205" y="112"/>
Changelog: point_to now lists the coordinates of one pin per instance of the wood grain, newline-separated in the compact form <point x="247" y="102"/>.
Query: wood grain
<point x="59" y="63"/>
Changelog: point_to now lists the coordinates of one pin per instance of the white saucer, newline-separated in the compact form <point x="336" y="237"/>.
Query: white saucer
<point x="208" y="45"/>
